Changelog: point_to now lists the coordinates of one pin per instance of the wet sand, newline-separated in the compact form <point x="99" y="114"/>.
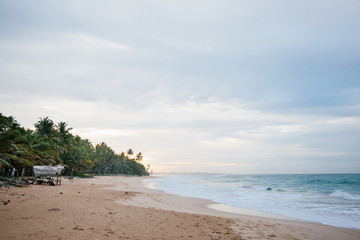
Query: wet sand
<point x="122" y="208"/>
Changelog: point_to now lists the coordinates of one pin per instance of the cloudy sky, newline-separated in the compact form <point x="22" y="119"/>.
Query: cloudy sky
<point x="237" y="86"/>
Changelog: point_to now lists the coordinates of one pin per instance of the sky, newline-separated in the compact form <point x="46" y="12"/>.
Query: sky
<point x="232" y="86"/>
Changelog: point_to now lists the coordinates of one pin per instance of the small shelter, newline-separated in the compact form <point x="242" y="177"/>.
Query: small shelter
<point x="47" y="173"/>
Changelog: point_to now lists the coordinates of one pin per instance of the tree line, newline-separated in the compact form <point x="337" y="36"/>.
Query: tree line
<point x="52" y="144"/>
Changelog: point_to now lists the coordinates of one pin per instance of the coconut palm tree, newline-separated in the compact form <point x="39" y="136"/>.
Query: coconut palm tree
<point x="45" y="126"/>
<point x="130" y="152"/>
<point x="8" y="149"/>
<point x="139" y="157"/>
<point x="63" y="130"/>
<point x="47" y="142"/>
<point x="13" y="145"/>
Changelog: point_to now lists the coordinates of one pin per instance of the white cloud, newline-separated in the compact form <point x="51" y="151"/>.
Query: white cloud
<point x="99" y="133"/>
<point x="96" y="42"/>
<point x="231" y="86"/>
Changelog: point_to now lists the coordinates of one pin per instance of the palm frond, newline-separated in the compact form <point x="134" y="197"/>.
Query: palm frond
<point x="27" y="162"/>
<point x="21" y="139"/>
<point x="8" y="156"/>
<point x="4" y="163"/>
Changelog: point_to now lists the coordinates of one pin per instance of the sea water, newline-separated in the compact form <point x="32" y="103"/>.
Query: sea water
<point x="332" y="199"/>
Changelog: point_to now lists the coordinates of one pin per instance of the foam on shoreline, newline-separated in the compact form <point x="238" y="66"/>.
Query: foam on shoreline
<point x="250" y="212"/>
<point x="221" y="209"/>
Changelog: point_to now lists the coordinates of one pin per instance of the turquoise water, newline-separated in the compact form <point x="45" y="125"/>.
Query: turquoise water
<point x="332" y="199"/>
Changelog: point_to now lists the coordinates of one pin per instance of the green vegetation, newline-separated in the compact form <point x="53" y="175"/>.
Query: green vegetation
<point x="51" y="144"/>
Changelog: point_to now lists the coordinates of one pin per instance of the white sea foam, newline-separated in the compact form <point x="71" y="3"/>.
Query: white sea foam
<point x="345" y="195"/>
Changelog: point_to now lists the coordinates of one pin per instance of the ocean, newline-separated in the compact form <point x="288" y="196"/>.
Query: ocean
<point x="332" y="199"/>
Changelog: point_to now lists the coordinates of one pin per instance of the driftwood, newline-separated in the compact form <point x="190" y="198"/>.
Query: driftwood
<point x="13" y="182"/>
<point x="47" y="173"/>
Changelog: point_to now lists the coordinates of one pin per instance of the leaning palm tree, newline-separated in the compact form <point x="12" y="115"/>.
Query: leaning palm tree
<point x="13" y="144"/>
<point x="8" y="148"/>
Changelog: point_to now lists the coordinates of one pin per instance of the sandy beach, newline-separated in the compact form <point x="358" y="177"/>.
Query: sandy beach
<point x="123" y="208"/>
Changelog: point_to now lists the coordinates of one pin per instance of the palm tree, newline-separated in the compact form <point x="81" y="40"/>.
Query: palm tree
<point x="47" y="142"/>
<point x="13" y="142"/>
<point x="139" y="157"/>
<point x="65" y="142"/>
<point x="8" y="149"/>
<point x="105" y="158"/>
<point x="62" y="128"/>
<point x="45" y="126"/>
<point x="47" y="151"/>
<point x="130" y="152"/>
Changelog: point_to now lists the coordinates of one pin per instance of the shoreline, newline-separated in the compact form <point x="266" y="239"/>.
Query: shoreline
<point x="251" y="212"/>
<point x="202" y="205"/>
<point x="159" y="199"/>
<point x="118" y="207"/>
<point x="236" y="210"/>
<point x="254" y="211"/>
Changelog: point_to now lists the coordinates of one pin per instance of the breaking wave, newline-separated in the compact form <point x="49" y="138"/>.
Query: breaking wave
<point x="345" y="195"/>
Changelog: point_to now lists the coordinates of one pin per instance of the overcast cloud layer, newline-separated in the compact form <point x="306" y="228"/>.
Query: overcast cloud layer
<point x="198" y="86"/>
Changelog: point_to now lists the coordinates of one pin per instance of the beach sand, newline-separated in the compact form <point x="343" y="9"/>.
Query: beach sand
<point x="122" y="208"/>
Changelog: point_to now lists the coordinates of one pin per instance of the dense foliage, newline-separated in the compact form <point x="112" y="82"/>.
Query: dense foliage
<point x="51" y="144"/>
